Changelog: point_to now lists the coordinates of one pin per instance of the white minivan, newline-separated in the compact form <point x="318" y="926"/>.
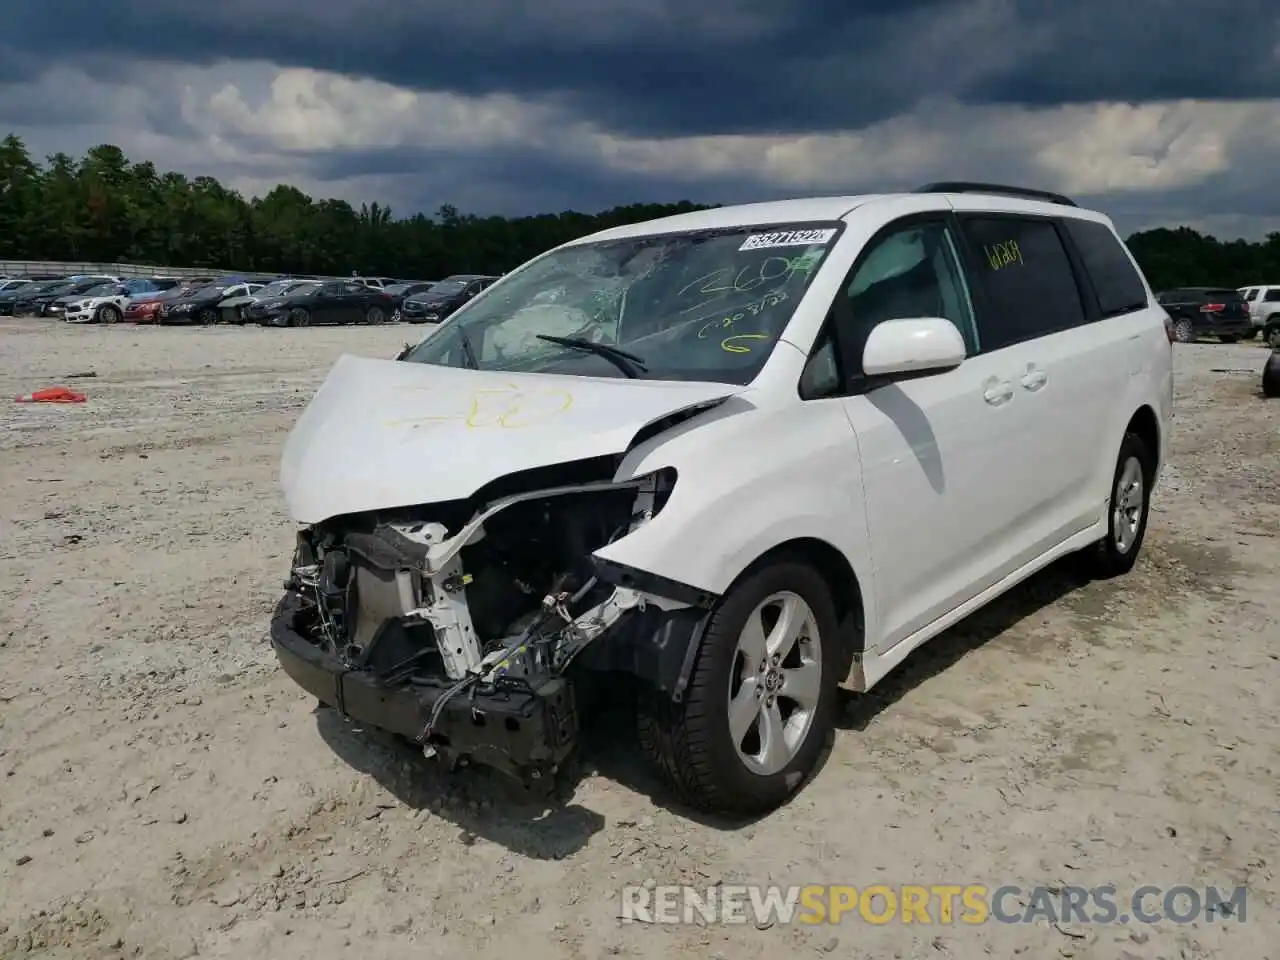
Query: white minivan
<point x="741" y="456"/>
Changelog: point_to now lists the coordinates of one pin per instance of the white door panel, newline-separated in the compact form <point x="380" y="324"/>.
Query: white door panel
<point x="944" y="462"/>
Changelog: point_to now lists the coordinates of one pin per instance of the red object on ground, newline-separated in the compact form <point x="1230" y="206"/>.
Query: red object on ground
<point x="52" y="395"/>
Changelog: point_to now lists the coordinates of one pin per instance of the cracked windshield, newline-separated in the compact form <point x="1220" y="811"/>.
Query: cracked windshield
<point x="692" y="306"/>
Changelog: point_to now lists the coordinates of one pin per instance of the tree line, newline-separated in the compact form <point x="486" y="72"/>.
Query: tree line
<point x="104" y="208"/>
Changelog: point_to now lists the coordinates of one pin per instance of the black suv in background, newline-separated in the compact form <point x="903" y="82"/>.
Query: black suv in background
<point x="1206" y="312"/>
<point x="444" y="297"/>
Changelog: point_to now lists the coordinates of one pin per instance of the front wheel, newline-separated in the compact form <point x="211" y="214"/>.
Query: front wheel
<point x="108" y="313"/>
<point x="207" y="317"/>
<point x="299" y="317"/>
<point x="760" y="705"/>
<point x="1130" y="502"/>
<point x="374" y="316"/>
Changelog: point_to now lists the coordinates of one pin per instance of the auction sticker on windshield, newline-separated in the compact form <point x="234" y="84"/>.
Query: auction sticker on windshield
<point x="787" y="238"/>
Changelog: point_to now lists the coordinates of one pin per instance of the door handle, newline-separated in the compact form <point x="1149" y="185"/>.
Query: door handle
<point x="1034" y="378"/>
<point x="997" y="391"/>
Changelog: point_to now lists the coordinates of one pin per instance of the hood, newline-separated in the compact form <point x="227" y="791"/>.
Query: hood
<point x="381" y="434"/>
<point x="434" y="300"/>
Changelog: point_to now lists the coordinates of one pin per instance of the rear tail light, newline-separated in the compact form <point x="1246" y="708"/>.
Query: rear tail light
<point x="1213" y="308"/>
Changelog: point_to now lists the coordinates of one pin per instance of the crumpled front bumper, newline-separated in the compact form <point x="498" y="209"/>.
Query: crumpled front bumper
<point x="526" y="734"/>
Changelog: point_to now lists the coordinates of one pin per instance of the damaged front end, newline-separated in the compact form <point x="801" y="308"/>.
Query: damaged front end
<point x="466" y="626"/>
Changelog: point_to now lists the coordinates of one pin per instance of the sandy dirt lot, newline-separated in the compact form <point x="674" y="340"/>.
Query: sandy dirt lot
<point x="166" y="792"/>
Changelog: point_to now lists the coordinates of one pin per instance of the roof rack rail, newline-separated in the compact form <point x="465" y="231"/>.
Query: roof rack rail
<point x="999" y="189"/>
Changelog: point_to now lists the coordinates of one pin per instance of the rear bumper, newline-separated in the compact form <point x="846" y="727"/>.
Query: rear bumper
<point x="1225" y="328"/>
<point x="526" y="734"/>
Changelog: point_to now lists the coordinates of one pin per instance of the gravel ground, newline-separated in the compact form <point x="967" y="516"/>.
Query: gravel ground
<point x="165" y="792"/>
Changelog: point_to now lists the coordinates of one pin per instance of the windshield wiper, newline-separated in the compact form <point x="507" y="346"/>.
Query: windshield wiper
<point x="630" y="364"/>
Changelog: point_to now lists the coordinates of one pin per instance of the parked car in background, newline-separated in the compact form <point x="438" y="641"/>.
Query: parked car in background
<point x="1206" y="311"/>
<point x="378" y="283"/>
<point x="1263" y="301"/>
<point x="145" y="308"/>
<point x="337" y="301"/>
<point x="201" y="305"/>
<point x="13" y="283"/>
<point x="444" y="297"/>
<point x="106" y="303"/>
<point x="401" y="291"/>
<point x="233" y="308"/>
<point x="10" y="298"/>
<point x="52" y="300"/>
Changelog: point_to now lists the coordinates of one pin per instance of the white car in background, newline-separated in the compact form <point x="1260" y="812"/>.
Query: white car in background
<point x="745" y="456"/>
<point x="1264" y="304"/>
<point x="101" y="304"/>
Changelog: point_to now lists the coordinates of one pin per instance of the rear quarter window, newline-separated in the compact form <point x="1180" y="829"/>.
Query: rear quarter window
<point x="1117" y="283"/>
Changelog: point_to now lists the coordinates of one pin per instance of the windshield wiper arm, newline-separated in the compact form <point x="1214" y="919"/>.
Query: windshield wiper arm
<point x="628" y="363"/>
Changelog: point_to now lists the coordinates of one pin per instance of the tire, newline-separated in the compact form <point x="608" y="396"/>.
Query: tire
<point x="108" y="313"/>
<point x="375" y="316"/>
<point x="207" y="316"/>
<point x="299" y="317"/>
<point x="1184" y="331"/>
<point x="1273" y="337"/>
<point x="1117" y="552"/>
<point x="1271" y="376"/>
<point x="690" y="741"/>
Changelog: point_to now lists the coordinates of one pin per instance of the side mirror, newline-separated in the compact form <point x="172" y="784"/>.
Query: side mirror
<point x="916" y="345"/>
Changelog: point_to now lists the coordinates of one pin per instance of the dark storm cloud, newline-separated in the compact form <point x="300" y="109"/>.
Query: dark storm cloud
<point x="509" y="181"/>
<point x="670" y="66"/>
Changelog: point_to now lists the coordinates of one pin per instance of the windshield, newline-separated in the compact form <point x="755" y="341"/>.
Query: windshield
<point x="102" y="290"/>
<point x="705" y="306"/>
<point x="25" y="288"/>
<point x="277" y="288"/>
<point x="205" y="293"/>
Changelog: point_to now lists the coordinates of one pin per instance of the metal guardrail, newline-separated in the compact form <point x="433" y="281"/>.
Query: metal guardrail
<point x="14" y="268"/>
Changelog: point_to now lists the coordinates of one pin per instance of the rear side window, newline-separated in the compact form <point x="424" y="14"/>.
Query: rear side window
<point x="1030" y="287"/>
<point x="1119" y="287"/>
<point x="1273" y="295"/>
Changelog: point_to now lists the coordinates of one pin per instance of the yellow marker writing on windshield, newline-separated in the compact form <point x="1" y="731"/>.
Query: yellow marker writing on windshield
<point x="728" y="344"/>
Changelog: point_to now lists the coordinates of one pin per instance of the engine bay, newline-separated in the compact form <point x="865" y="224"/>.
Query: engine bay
<point x="467" y="602"/>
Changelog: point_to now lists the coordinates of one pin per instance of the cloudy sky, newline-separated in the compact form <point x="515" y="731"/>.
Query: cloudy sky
<point x="1158" y="111"/>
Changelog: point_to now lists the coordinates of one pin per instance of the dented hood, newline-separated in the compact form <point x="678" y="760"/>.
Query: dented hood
<point x="381" y="434"/>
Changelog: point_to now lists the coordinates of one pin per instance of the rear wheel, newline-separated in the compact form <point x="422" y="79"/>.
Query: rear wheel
<point x="1128" y="507"/>
<point x="374" y="316"/>
<point x="1184" y="331"/>
<point x="760" y="705"/>
<point x="207" y="316"/>
<point x="108" y="313"/>
<point x="299" y="317"/>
